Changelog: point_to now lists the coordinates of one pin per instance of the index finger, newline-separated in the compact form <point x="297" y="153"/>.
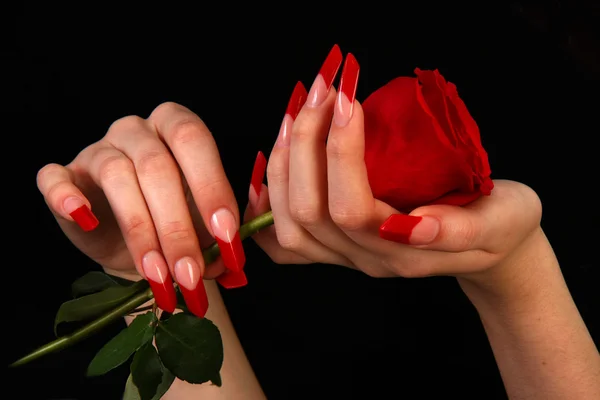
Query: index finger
<point x="196" y="152"/>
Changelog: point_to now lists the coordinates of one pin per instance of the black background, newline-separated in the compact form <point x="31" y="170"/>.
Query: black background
<point x="530" y="77"/>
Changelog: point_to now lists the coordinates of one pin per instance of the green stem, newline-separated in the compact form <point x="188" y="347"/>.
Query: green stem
<point x="80" y="334"/>
<point x="210" y="254"/>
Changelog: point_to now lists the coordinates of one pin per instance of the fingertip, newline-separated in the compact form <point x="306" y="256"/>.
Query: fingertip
<point x="409" y="229"/>
<point x="80" y="212"/>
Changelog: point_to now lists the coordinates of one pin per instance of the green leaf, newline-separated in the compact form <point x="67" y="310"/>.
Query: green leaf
<point x="93" y="305"/>
<point x="96" y="281"/>
<point x="165" y="384"/>
<point x="190" y="347"/>
<point x="123" y="345"/>
<point x="147" y="371"/>
<point x="216" y="380"/>
<point x="131" y="391"/>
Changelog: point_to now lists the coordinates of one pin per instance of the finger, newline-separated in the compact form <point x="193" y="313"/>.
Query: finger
<point x="351" y="204"/>
<point x="115" y="174"/>
<point x="266" y="238"/>
<point x="490" y="223"/>
<point x="308" y="164"/>
<point x="64" y="199"/>
<point x="290" y="235"/>
<point x="160" y="183"/>
<point x="196" y="152"/>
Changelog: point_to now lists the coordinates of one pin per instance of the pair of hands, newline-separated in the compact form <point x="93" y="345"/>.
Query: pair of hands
<point x="160" y="194"/>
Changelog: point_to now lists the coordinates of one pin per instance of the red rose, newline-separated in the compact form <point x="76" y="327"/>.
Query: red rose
<point x="422" y="146"/>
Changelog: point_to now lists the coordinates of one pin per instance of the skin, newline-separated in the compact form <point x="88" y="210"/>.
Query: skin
<point x="325" y="213"/>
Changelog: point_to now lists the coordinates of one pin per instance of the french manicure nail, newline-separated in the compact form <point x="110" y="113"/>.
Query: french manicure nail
<point x="228" y="239"/>
<point x="157" y="273"/>
<point x="297" y="100"/>
<point x="233" y="279"/>
<point x="344" y="104"/>
<point x="322" y="84"/>
<point x="81" y="214"/>
<point x="258" y="174"/>
<point x="408" y="229"/>
<point x="187" y="274"/>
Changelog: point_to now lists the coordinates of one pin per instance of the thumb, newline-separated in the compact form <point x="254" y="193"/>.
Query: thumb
<point x="492" y="223"/>
<point x="438" y="227"/>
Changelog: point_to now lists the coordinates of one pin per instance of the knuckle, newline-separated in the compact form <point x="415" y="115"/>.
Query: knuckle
<point x="400" y="267"/>
<point x="289" y="240"/>
<point x="276" y="172"/>
<point x="176" y="231"/>
<point x="168" y="107"/>
<point x="47" y="171"/>
<point x="211" y="187"/>
<point x="114" y="168"/>
<point x="137" y="227"/>
<point x="337" y="148"/>
<point x="125" y="125"/>
<point x="347" y="218"/>
<point x="302" y="130"/>
<point x="306" y="213"/>
<point x="466" y="234"/>
<point x="277" y="256"/>
<point x="186" y="131"/>
<point x="153" y="162"/>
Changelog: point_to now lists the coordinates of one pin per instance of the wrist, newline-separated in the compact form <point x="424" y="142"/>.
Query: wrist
<point x="515" y="280"/>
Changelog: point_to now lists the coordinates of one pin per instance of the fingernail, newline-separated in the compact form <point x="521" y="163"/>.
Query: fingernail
<point x="408" y="229"/>
<point x="297" y="100"/>
<point x="322" y="84"/>
<point x="228" y="238"/>
<point x="187" y="273"/>
<point x="157" y="273"/>
<point x="232" y="279"/>
<point x="81" y="214"/>
<point x="344" y="104"/>
<point x="258" y="174"/>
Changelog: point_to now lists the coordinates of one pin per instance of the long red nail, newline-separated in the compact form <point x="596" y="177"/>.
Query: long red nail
<point x="227" y="235"/>
<point x="345" y="99"/>
<point x="187" y="273"/>
<point x="85" y="218"/>
<point x="322" y="84"/>
<point x="408" y="229"/>
<point x="157" y="273"/>
<point x="258" y="174"/>
<point x="232" y="280"/>
<point x="297" y="100"/>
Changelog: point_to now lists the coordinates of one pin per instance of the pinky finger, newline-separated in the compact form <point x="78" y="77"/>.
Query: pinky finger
<point x="266" y="238"/>
<point x="64" y="198"/>
<point x="259" y="204"/>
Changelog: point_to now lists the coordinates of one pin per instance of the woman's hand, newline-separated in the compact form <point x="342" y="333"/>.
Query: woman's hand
<point x="324" y="210"/>
<point x="160" y="194"/>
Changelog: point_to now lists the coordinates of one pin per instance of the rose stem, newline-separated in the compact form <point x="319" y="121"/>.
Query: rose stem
<point x="210" y="254"/>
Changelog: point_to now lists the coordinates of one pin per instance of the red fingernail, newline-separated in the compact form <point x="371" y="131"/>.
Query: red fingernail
<point x="297" y="100"/>
<point x="233" y="279"/>
<point x="345" y="99"/>
<point x="157" y="273"/>
<point x="258" y="174"/>
<point x="187" y="273"/>
<point x="227" y="235"/>
<point x="408" y="229"/>
<point x="85" y="218"/>
<point x="322" y="84"/>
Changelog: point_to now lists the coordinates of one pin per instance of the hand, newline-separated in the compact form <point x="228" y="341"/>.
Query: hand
<point x="160" y="194"/>
<point x="324" y="210"/>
